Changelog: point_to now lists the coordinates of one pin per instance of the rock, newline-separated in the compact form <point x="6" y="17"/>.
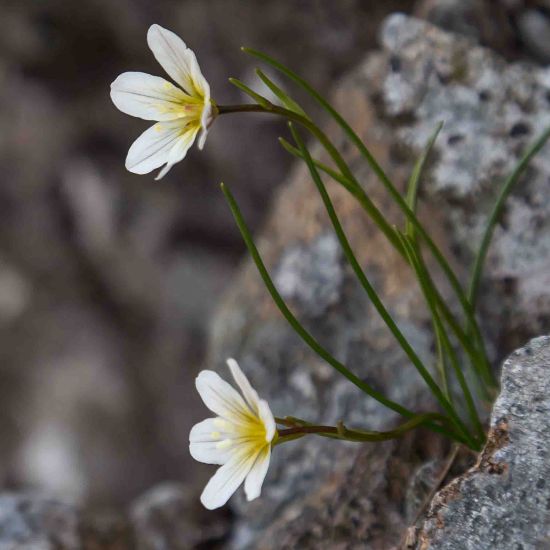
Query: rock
<point x="492" y="111"/>
<point x="108" y="281"/>
<point x="40" y="522"/>
<point x="534" y="26"/>
<point x="37" y="522"/>
<point x="516" y="29"/>
<point x="167" y="518"/>
<point x="502" y="502"/>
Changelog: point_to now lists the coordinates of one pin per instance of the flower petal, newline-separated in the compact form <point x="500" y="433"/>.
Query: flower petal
<point x="227" y="480"/>
<point x="206" y="121"/>
<point x="204" y="443"/>
<point x="242" y="381"/>
<point x="179" y="150"/>
<point x="266" y="417"/>
<point x="221" y="398"/>
<point x="202" y="138"/>
<point x="177" y="60"/>
<point x="255" y="478"/>
<point x="151" y="149"/>
<point x="145" y="96"/>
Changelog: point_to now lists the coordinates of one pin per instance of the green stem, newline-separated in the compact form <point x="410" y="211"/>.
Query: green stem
<point x="386" y="182"/>
<point x="373" y="212"/>
<point x="344" y="433"/>
<point x="464" y="340"/>
<point x="478" y="357"/>
<point x="373" y="296"/>
<point x="414" y="181"/>
<point x="304" y="334"/>
<point x="497" y="211"/>
<point x="427" y="290"/>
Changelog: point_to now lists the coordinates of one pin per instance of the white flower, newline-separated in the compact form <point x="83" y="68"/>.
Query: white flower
<point x="180" y="112"/>
<point x="239" y="438"/>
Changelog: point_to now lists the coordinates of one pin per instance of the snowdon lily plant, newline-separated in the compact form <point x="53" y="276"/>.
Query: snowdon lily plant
<point x="241" y="436"/>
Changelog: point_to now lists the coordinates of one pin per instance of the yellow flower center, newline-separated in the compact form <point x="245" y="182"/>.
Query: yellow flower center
<point x="249" y="433"/>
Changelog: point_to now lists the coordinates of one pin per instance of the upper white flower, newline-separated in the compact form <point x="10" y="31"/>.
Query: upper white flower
<point x="239" y="438"/>
<point x="181" y="112"/>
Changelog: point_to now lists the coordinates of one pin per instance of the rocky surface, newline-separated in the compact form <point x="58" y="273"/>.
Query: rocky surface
<point x="108" y="283"/>
<point x="108" y="280"/>
<point x="164" y="518"/>
<point x="492" y="111"/>
<point x="502" y="502"/>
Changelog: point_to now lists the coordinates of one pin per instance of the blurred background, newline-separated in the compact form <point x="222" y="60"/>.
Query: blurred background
<point x="108" y="280"/>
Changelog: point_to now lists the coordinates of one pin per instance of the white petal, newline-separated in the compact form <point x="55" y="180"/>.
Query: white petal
<point x="267" y="418"/>
<point x="204" y="443"/>
<point x="242" y="381"/>
<point x="256" y="476"/>
<point x="179" y="150"/>
<point x="221" y="398"/>
<point x="202" y="138"/>
<point x="206" y="116"/>
<point x="226" y="481"/>
<point x="145" y="96"/>
<point x="151" y="149"/>
<point x="177" y="60"/>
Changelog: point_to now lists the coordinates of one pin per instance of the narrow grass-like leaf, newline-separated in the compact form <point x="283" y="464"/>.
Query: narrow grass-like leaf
<point x="304" y="334"/>
<point x="261" y="100"/>
<point x="427" y="289"/>
<point x="372" y="294"/>
<point x="387" y="183"/>
<point x="284" y="98"/>
<point x="507" y="188"/>
<point x="414" y="180"/>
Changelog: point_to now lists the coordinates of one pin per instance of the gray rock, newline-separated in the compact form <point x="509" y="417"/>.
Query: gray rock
<point x="166" y="518"/>
<point x="502" y="502"/>
<point x="34" y="521"/>
<point x="534" y="26"/>
<point x="41" y="522"/>
<point x="492" y="111"/>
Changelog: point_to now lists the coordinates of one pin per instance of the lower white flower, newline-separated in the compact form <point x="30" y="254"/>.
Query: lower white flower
<point x="239" y="438"/>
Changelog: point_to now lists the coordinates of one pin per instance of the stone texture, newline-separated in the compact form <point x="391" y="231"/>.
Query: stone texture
<point x="108" y="281"/>
<point x="93" y="264"/>
<point x="164" y="518"/>
<point x="167" y="518"/>
<point x="516" y="29"/>
<point x="492" y="111"/>
<point x="502" y="502"/>
<point x="40" y="522"/>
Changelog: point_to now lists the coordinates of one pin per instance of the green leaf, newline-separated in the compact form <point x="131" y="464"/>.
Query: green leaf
<point x="301" y="331"/>
<point x="507" y="188"/>
<point x="484" y="368"/>
<point x="426" y="285"/>
<point x="372" y="294"/>
<point x="285" y="99"/>
<point x="261" y="100"/>
<point x="412" y="186"/>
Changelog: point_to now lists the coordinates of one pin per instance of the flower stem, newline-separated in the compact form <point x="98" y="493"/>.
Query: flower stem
<point x="344" y="433"/>
<point x="387" y="183"/>
<point x="427" y="289"/>
<point x="477" y="356"/>
<point x="373" y="296"/>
